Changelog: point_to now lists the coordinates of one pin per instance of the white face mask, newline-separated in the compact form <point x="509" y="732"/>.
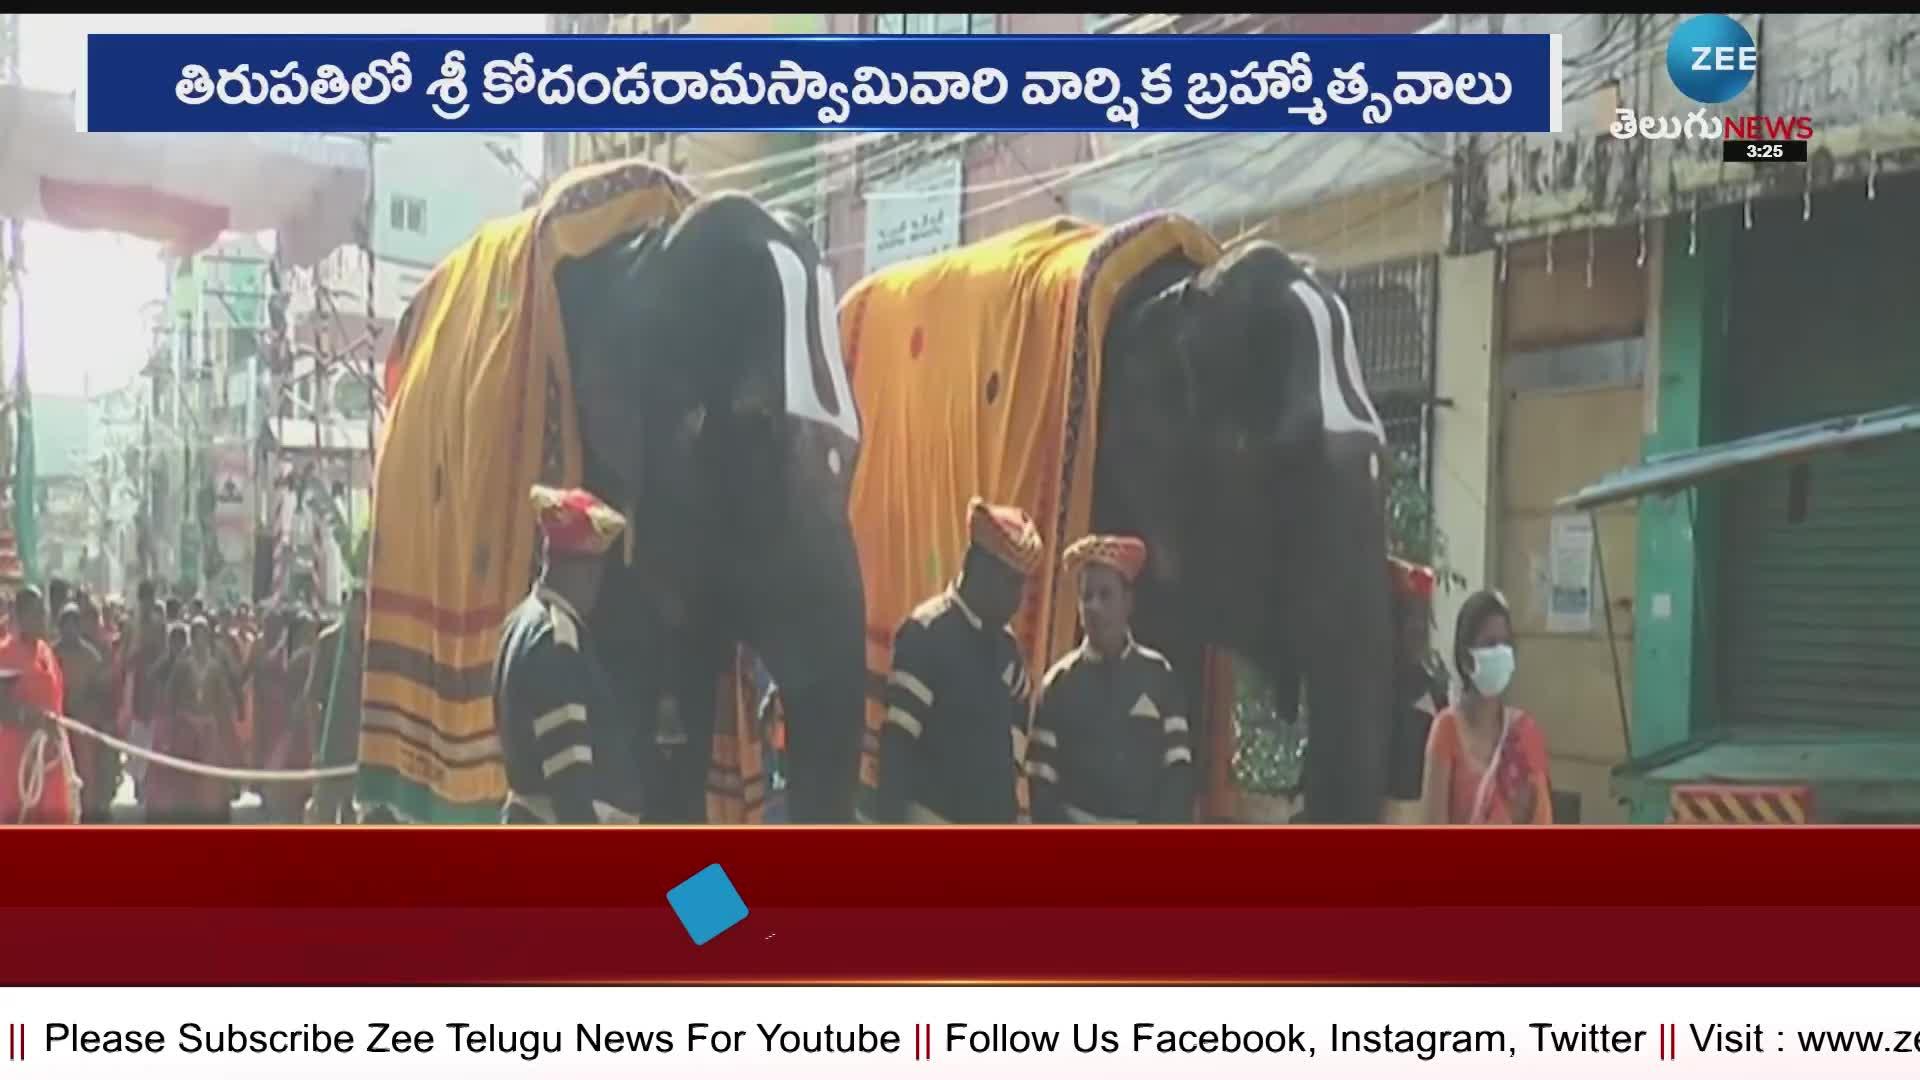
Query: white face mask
<point x="1492" y="669"/>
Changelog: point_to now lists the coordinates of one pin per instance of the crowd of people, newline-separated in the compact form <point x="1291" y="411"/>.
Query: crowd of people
<point x="1103" y="737"/>
<point x="234" y="688"/>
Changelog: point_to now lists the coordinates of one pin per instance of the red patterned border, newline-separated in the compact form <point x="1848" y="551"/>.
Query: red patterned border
<point x="1234" y="904"/>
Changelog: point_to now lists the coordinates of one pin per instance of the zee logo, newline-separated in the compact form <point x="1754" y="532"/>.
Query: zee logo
<point x="1711" y="58"/>
<point x="1721" y="58"/>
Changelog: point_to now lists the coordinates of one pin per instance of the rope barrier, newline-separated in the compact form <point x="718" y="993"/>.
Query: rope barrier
<point x="32" y="776"/>
<point x="218" y="772"/>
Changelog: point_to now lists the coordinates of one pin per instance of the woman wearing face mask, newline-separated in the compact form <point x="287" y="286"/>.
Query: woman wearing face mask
<point x="1486" y="761"/>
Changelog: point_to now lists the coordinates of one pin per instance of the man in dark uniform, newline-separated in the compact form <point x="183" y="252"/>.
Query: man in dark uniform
<point x="957" y="699"/>
<point x="1110" y="741"/>
<point x="569" y="749"/>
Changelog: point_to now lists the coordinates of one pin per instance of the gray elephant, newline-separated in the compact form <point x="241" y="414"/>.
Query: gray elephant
<point x="1138" y="379"/>
<point x="711" y="401"/>
<point x="1236" y="437"/>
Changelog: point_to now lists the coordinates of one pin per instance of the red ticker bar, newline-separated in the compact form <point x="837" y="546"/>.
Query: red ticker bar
<point x="258" y="906"/>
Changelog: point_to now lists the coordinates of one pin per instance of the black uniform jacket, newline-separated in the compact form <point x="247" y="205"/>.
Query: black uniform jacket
<point x="569" y="750"/>
<point x="1110" y="740"/>
<point x="957" y="707"/>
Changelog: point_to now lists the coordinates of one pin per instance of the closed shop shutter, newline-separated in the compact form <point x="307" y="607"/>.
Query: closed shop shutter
<point x="1819" y="612"/>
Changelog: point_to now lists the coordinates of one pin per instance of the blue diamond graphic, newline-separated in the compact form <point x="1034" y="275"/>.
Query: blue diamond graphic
<point x="707" y="903"/>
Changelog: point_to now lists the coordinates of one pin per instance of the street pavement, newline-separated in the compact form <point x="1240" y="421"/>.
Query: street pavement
<point x="247" y="809"/>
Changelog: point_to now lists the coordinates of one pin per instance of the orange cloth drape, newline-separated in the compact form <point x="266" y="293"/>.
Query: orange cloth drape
<point x="482" y="410"/>
<point x="977" y="373"/>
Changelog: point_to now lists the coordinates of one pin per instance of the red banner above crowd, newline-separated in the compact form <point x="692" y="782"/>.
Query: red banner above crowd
<point x="179" y="190"/>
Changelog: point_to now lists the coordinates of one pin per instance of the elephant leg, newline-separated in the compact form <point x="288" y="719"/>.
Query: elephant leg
<point x="825" y="726"/>
<point x="678" y="760"/>
<point x="1159" y="623"/>
<point x="1190" y="668"/>
<point x="1348" y="642"/>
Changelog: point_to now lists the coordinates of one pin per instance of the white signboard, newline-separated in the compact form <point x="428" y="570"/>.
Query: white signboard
<point x="904" y="224"/>
<point x="1570" y="575"/>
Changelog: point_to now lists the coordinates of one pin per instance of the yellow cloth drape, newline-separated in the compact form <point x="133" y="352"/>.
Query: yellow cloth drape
<point x="737" y="775"/>
<point x="978" y="372"/>
<point x="481" y="409"/>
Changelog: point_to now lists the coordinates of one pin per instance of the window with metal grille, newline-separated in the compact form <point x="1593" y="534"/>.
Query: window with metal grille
<point x="408" y="214"/>
<point x="1394" y="305"/>
<point x="922" y="23"/>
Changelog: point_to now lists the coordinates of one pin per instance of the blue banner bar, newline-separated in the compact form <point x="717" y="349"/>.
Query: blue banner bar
<point x="1122" y="82"/>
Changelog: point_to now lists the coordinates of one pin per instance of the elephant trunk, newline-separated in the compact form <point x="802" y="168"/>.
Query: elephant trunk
<point x="810" y="634"/>
<point x="1350" y="652"/>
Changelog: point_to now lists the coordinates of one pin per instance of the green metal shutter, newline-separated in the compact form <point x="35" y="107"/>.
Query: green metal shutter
<point x="1819" y="619"/>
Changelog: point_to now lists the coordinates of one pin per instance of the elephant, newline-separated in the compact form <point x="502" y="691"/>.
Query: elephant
<point x="1237" y="439"/>
<point x="713" y="402"/>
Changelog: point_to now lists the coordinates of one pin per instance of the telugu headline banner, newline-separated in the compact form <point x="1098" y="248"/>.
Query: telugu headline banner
<point x="1127" y="82"/>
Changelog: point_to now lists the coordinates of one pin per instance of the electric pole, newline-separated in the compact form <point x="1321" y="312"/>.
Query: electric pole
<point x="12" y="559"/>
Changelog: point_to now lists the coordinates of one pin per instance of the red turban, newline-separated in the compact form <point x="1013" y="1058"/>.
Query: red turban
<point x="1006" y="533"/>
<point x="576" y="523"/>
<point x="1125" y="554"/>
<point x="1410" y="579"/>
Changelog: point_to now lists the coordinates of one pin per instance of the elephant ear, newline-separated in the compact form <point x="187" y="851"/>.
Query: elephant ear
<point x="608" y="298"/>
<point x="1345" y="407"/>
<point x="1148" y="334"/>
<point x="814" y="378"/>
<point x="719" y="278"/>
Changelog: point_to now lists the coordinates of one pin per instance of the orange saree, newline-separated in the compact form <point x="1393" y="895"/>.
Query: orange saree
<point x="1489" y="792"/>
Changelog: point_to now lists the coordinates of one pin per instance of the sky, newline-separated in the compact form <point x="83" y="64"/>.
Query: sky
<point x="85" y="291"/>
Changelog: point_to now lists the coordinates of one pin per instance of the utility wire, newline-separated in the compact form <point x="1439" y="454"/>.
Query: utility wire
<point x="1152" y="144"/>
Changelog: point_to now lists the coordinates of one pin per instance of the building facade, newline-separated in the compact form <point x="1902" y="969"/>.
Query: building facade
<point x="924" y="192"/>
<point x="774" y="166"/>
<point x="430" y="192"/>
<point x="1778" y="636"/>
<point x="206" y="383"/>
<point x="63" y="440"/>
<point x="115" y="427"/>
<point x="1650" y="298"/>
